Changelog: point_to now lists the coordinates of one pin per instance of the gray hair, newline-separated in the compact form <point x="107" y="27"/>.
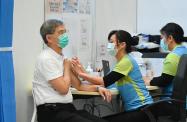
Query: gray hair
<point x="48" y="27"/>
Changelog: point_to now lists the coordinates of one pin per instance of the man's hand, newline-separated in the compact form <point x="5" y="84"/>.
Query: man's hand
<point x="67" y="63"/>
<point x="76" y="61"/>
<point x="62" y="83"/>
<point x="76" y="66"/>
<point x="105" y="93"/>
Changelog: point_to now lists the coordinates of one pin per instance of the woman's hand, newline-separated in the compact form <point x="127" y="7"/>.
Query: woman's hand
<point x="76" y="59"/>
<point x="147" y="81"/>
<point x="77" y="66"/>
<point x="105" y="93"/>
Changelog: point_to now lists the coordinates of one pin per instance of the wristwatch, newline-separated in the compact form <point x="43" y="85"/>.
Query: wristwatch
<point x="97" y="88"/>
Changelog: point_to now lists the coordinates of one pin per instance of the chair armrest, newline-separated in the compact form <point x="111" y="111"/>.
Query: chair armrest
<point x="161" y="95"/>
<point x="162" y="101"/>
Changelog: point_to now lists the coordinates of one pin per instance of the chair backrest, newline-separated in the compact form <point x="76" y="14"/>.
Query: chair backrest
<point x="180" y="80"/>
<point x="180" y="88"/>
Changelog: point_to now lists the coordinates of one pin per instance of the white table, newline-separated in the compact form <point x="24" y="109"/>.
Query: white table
<point x="76" y="92"/>
<point x="113" y="91"/>
<point x="151" y="88"/>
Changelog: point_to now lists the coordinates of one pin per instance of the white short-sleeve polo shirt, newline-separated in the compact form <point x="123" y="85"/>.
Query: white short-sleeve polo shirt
<point x="49" y="66"/>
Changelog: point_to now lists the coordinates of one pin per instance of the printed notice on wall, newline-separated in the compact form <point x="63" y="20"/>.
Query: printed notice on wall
<point x="101" y="51"/>
<point x="77" y="16"/>
<point x="70" y="6"/>
<point x="53" y="6"/>
<point x="84" y="6"/>
<point x="85" y="29"/>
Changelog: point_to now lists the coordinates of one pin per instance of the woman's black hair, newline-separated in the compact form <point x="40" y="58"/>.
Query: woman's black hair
<point x="124" y="36"/>
<point x="111" y="33"/>
<point x="174" y="30"/>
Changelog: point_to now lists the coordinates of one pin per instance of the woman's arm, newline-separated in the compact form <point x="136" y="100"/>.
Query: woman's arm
<point x="111" y="78"/>
<point x="76" y="83"/>
<point x="162" y="81"/>
<point x="93" y="79"/>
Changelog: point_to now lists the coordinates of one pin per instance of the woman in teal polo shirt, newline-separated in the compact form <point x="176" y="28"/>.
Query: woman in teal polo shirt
<point x="172" y="38"/>
<point x="127" y="76"/>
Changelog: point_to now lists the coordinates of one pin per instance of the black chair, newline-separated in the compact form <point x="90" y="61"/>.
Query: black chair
<point x="172" y="109"/>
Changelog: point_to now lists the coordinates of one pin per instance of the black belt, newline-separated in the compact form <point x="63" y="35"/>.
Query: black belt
<point x="64" y="106"/>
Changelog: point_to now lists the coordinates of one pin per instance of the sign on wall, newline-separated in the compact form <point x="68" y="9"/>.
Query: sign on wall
<point x="78" y="16"/>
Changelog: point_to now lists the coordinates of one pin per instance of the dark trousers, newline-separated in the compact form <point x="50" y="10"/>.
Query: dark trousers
<point x="58" y="112"/>
<point x="132" y="116"/>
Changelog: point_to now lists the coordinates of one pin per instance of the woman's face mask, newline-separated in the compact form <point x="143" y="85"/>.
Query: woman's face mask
<point x="163" y="45"/>
<point x="63" y="40"/>
<point x="111" y="49"/>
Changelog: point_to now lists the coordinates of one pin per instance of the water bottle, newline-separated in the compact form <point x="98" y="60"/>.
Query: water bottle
<point x="143" y="69"/>
<point x="89" y="70"/>
<point x="149" y="70"/>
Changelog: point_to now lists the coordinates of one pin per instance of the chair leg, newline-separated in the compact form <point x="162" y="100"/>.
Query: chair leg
<point x="34" y="115"/>
<point x="150" y="115"/>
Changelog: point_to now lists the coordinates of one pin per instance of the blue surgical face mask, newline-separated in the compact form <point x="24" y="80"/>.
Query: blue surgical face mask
<point x="63" y="40"/>
<point x="163" y="45"/>
<point x="111" y="49"/>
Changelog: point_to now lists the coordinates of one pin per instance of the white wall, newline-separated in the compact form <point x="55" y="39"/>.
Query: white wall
<point x="27" y="43"/>
<point x="154" y="14"/>
<point x="114" y="14"/>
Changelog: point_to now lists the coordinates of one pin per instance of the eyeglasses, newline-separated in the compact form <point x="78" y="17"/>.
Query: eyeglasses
<point x="63" y="31"/>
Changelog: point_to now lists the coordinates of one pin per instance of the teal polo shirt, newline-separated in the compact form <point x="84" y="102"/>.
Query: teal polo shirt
<point x="131" y="87"/>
